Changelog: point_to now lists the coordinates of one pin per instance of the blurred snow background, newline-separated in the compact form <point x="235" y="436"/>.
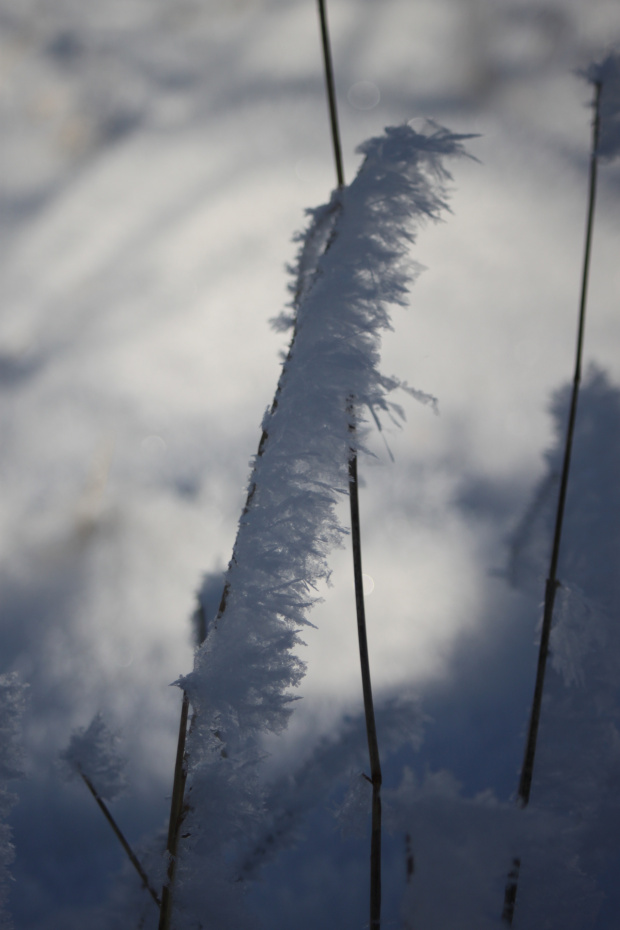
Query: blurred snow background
<point x="156" y="159"/>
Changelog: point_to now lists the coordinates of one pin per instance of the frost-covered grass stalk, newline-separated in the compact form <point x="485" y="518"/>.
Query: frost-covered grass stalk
<point x="354" y="264"/>
<point x="605" y="78"/>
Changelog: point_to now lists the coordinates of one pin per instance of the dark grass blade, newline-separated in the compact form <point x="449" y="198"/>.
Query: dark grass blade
<point x="529" y="758"/>
<point x="369" y="711"/>
<point x="331" y="93"/>
<point x="176" y="816"/>
<point x="121" y="838"/>
<point x="371" y="730"/>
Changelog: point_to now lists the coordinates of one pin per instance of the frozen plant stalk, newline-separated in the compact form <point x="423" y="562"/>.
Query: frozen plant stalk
<point x="354" y="263"/>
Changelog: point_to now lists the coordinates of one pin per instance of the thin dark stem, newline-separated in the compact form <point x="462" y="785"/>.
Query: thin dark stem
<point x="331" y="93"/>
<point x="176" y="813"/>
<point x="371" y="729"/>
<point x="510" y="891"/>
<point x="525" y="782"/>
<point x="120" y="836"/>
<point x="369" y="711"/>
<point x="373" y="746"/>
<point x="551" y="585"/>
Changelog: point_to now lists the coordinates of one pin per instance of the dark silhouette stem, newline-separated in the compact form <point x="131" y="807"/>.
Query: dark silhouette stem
<point x="551" y="585"/>
<point x="121" y="838"/>
<point x="331" y="93"/>
<point x="371" y="729"/>
<point x="369" y="711"/>
<point x="176" y="815"/>
<point x="525" y="782"/>
<point x="373" y="747"/>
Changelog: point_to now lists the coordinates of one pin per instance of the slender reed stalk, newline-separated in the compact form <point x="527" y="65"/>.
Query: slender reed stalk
<point x="551" y="585"/>
<point x="371" y="729"/>
<point x="120" y="836"/>
<point x="369" y="711"/>
<point x="176" y="812"/>
<point x="177" y="806"/>
<point x="331" y="93"/>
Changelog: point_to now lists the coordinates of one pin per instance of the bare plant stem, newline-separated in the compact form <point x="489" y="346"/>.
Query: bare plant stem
<point x="369" y="711"/>
<point x="371" y="729"/>
<point x="176" y="813"/>
<point x="121" y="837"/>
<point x="331" y="93"/>
<point x="551" y="585"/>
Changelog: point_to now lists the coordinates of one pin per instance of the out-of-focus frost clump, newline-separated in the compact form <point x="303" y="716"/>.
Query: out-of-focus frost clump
<point x="11" y="761"/>
<point x="578" y="756"/>
<point x="460" y="849"/>
<point x="607" y="74"/>
<point x="338" y="759"/>
<point x="460" y="852"/>
<point x="93" y="752"/>
<point x="578" y="632"/>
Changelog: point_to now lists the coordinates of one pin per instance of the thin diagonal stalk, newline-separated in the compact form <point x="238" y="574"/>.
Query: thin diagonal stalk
<point x="331" y="93"/>
<point x="371" y="729"/>
<point x="551" y="585"/>
<point x="120" y="836"/>
<point x="369" y="711"/>
<point x="176" y="811"/>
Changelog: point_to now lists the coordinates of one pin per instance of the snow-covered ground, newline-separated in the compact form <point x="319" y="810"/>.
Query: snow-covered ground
<point x="156" y="159"/>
